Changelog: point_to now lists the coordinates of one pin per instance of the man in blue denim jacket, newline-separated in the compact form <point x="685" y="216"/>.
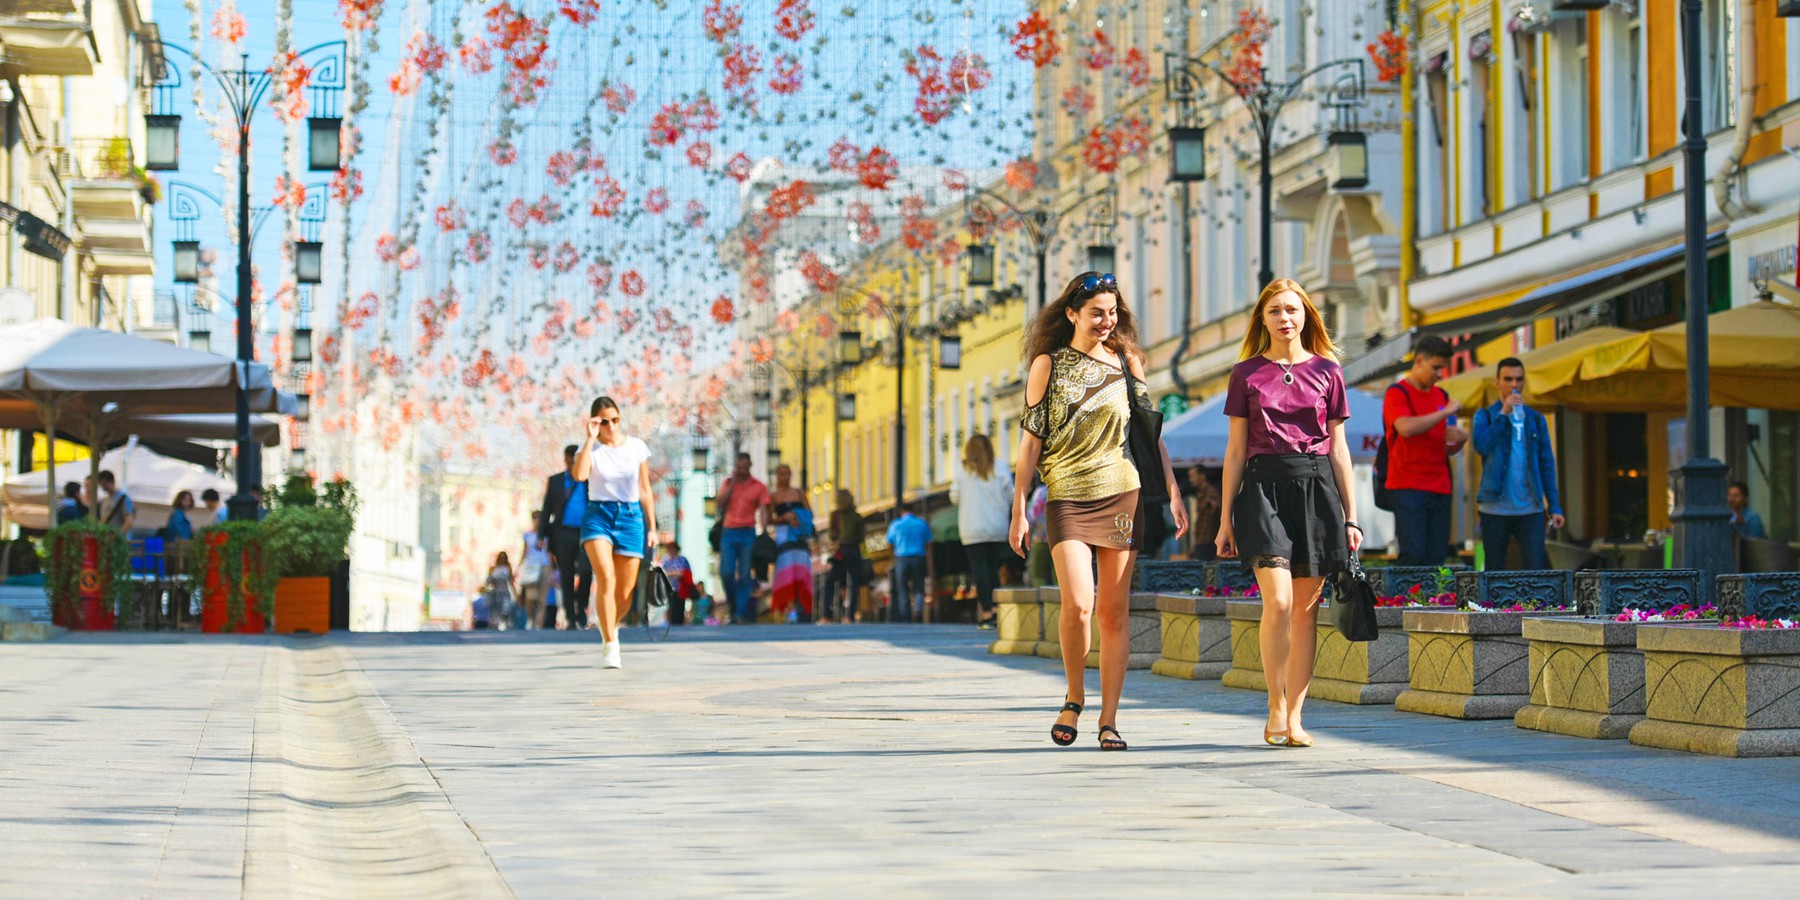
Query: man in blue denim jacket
<point x="1518" y="473"/>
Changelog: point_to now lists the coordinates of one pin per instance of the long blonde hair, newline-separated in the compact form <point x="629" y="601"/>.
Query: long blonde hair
<point x="1314" y="336"/>
<point x="978" y="456"/>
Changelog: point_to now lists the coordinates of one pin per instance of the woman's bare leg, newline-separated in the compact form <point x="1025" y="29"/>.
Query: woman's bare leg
<point x="1075" y="576"/>
<point x="600" y="555"/>
<point x="1275" y="639"/>
<point x="1303" y="621"/>
<point x="625" y="579"/>
<point x="1112" y="604"/>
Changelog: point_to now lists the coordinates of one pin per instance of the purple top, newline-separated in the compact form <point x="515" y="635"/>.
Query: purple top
<point x="1287" y="418"/>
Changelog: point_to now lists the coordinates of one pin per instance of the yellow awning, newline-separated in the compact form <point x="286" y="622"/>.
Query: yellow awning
<point x="1754" y="362"/>
<point x="1548" y="368"/>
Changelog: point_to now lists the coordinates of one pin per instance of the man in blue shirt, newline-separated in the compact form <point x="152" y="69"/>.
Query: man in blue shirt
<point x="1518" y="473"/>
<point x="910" y="538"/>
<point x="1744" y="520"/>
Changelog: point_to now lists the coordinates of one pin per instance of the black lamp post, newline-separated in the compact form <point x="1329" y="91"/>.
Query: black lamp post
<point x="1701" y="519"/>
<point x="1264" y="99"/>
<point x="900" y="317"/>
<point x="244" y="89"/>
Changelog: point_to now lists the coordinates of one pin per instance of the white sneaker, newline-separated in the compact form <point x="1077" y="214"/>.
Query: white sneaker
<point x="610" y="655"/>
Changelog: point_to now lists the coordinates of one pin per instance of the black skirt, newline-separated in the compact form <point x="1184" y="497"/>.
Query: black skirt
<point x="1288" y="508"/>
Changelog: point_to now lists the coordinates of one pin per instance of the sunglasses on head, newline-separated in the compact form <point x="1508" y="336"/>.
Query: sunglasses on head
<point x="1106" y="282"/>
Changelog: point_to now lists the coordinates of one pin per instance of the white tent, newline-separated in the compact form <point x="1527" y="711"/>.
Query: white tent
<point x="1198" y="436"/>
<point x="152" y="481"/>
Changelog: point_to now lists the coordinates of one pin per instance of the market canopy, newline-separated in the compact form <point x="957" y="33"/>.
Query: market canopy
<point x="1754" y="362"/>
<point x="1547" y="369"/>
<point x="1198" y="436"/>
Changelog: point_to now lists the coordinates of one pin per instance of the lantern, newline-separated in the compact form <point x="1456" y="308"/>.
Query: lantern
<point x="1187" y="154"/>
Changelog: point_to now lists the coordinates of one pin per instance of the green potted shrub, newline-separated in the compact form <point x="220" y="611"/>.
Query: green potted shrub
<point x="80" y="602"/>
<point x="308" y="537"/>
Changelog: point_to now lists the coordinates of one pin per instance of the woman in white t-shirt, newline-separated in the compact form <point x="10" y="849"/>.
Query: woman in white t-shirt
<point x="621" y="516"/>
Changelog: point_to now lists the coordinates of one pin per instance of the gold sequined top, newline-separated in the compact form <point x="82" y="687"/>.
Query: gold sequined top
<point x="1083" y="420"/>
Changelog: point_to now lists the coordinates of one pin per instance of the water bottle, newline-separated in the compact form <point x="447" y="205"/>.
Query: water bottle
<point x="1518" y="417"/>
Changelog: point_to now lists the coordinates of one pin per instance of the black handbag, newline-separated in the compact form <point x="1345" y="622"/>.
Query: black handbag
<point x="1353" y="604"/>
<point x="662" y="593"/>
<point x="1144" y="440"/>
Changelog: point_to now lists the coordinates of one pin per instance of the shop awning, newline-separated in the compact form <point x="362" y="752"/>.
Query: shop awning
<point x="1387" y="359"/>
<point x="1754" y="363"/>
<point x="1548" y="368"/>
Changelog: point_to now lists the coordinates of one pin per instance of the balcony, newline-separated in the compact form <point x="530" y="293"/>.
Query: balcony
<point x="105" y="181"/>
<point x="48" y="37"/>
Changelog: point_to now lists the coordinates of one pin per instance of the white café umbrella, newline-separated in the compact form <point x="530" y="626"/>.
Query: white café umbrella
<point x="94" y="377"/>
<point x="151" y="479"/>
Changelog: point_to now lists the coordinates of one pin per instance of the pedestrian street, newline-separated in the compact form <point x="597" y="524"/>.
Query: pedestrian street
<point x="879" y="761"/>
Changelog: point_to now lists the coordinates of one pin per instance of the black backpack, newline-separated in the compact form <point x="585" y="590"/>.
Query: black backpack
<point x="1384" y="497"/>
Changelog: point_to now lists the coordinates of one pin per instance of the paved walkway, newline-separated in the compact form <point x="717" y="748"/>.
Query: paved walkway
<point x="802" y="761"/>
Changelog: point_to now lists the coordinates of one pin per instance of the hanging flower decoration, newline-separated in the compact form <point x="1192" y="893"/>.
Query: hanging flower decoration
<point x="563" y="166"/>
<point x="618" y="98"/>
<point x="1021" y="174"/>
<point x="1100" y="152"/>
<point x="696" y="214"/>
<point x="631" y="284"/>
<point x="359" y="15"/>
<point x="365" y="308"/>
<point x="476" y="55"/>
<point x="739" y="167"/>
<point x="346" y="186"/>
<point x="940" y="87"/>
<point x="290" y="77"/>
<point x="1388" y="52"/>
<point x="817" y="274"/>
<point x="699" y="154"/>
<point x="1077" y="101"/>
<point x="409" y="259"/>
<point x="479" y="247"/>
<point x="1034" y="39"/>
<point x="387" y="246"/>
<point x="793" y="19"/>
<point x="955" y="181"/>
<point x="502" y="152"/>
<point x="863" y="228"/>
<point x="289" y="194"/>
<point x="228" y="24"/>
<point x="599" y="276"/>
<point x="566" y="258"/>
<point x="917" y="231"/>
<point x="405" y="80"/>
<point x="424" y="51"/>
<point x="722" y="311"/>
<point x="1244" y="65"/>
<point x="580" y="12"/>
<point x="656" y="202"/>
<point x="1137" y="68"/>
<point x="789" y="200"/>
<point x="668" y="125"/>
<point x="1099" y="54"/>
<point x="721" y="21"/>
<point x="789" y="75"/>
<point x="518" y="213"/>
<point x="608" y="197"/>
<point x="742" y="64"/>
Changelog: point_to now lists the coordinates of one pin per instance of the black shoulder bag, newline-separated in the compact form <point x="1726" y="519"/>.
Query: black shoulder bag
<point x="1145" y="443"/>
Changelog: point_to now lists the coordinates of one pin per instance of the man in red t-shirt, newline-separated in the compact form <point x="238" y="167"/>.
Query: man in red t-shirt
<point x="1422" y="436"/>
<point x="743" y="509"/>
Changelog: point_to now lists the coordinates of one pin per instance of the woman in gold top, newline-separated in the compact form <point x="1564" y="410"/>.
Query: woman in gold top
<point x="1086" y="373"/>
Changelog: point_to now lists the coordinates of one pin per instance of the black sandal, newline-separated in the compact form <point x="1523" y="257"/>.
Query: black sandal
<point x="1064" y="735"/>
<point x="1116" y="742"/>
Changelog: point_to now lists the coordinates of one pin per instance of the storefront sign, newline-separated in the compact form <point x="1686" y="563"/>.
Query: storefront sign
<point x="1779" y="261"/>
<point x="35" y="234"/>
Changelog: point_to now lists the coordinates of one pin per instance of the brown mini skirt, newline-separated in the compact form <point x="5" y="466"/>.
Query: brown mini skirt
<point x="1114" y="522"/>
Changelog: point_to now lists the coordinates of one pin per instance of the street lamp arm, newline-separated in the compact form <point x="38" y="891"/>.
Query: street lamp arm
<point x="233" y="95"/>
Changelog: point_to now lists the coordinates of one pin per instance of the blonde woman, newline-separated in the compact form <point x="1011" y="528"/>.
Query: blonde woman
<point x="1086" y="375"/>
<point x="1289" y="508"/>
<point x="621" y="516"/>
<point x="983" y="496"/>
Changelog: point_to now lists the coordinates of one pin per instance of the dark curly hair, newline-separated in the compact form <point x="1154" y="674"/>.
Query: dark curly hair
<point x="1051" y="330"/>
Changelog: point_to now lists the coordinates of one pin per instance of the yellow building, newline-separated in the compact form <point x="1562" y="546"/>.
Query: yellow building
<point x="1549" y="188"/>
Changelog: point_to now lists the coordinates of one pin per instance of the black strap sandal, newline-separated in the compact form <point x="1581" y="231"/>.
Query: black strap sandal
<point x="1064" y="735"/>
<point x="1111" y="743"/>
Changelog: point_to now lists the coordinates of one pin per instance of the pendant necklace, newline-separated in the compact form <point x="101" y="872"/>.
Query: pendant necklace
<point x="1287" y="372"/>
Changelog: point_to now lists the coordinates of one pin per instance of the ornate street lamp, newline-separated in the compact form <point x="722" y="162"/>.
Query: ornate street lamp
<point x="981" y="265"/>
<point x="949" y="352"/>
<point x="850" y="348"/>
<point x="846" y="406"/>
<point x="309" y="262"/>
<point x="697" y="459"/>
<point x="774" y="455"/>
<point x="760" y="406"/>
<point x="303" y="345"/>
<point x="1187" y="154"/>
<point x="323" y="143"/>
<point x="200" y="339"/>
<point x="302" y="407"/>
<point x="1350" y="151"/>
<point x="297" y="460"/>
<point x="187" y="262"/>
<point x="162" y="143"/>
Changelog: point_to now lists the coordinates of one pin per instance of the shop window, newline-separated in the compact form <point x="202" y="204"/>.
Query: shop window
<point x="1780" y="503"/>
<point x="1627" y="475"/>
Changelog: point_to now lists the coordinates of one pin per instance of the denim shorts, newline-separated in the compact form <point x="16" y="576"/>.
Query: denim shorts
<point x="617" y="523"/>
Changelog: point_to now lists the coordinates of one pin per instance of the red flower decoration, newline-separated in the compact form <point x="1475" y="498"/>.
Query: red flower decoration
<point x="789" y="200"/>
<point x="739" y="166"/>
<point x="1101" y="151"/>
<point x="618" y="99"/>
<point x="581" y="12"/>
<point x="1137" y="68"/>
<point x="1389" y="52"/>
<point x="722" y="311"/>
<point x="699" y="154"/>
<point x="656" y="201"/>
<point x="1034" y="39"/>
<point x="1099" y="53"/>
<point x="742" y="65"/>
<point x="668" y="125"/>
<point x="1021" y="174"/>
<point x="721" y="21"/>
<point x="631" y="283"/>
<point x="608" y="197"/>
<point x="817" y="273"/>
<point x="793" y="19"/>
<point x="480" y="247"/>
<point x="502" y="152"/>
<point x="1077" y="101"/>
<point x="789" y="75"/>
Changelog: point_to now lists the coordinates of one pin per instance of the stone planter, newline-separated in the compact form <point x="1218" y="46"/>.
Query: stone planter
<point x="1019" y="621"/>
<point x="1586" y="677"/>
<point x="1168" y="576"/>
<point x="1607" y="592"/>
<point x="1196" y="637"/>
<point x="1545" y="587"/>
<point x="1465" y="665"/>
<point x="1722" y="691"/>
<point x="1773" y="595"/>
<point x="1229" y="573"/>
<point x="1246" y="670"/>
<point x="1364" y="672"/>
<point x="1395" y="581"/>
<point x="1145" y="625"/>
<point x="1050" y="646"/>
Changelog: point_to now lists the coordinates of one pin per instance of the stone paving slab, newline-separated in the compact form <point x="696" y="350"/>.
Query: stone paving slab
<point x="784" y="761"/>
